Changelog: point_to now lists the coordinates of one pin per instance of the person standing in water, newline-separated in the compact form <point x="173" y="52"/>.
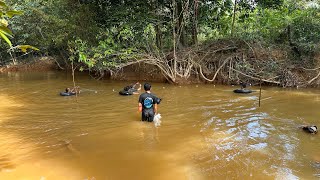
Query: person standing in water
<point x="148" y="104"/>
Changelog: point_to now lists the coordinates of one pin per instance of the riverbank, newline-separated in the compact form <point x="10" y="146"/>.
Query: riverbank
<point x="230" y="61"/>
<point x="226" y="62"/>
<point x="36" y="64"/>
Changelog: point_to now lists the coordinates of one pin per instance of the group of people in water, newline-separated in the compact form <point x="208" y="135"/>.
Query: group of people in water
<point x="148" y="102"/>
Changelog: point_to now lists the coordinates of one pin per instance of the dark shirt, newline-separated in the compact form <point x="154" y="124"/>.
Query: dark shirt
<point x="147" y="100"/>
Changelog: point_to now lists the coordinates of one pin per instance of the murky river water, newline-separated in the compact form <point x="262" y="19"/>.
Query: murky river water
<point x="207" y="132"/>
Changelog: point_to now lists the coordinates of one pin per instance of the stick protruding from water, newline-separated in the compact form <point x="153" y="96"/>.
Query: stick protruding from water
<point x="260" y="94"/>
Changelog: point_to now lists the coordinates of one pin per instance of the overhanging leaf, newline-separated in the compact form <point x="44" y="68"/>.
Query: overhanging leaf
<point x="4" y="22"/>
<point x="24" y="48"/>
<point x="11" y="13"/>
<point x="6" y="31"/>
<point x="5" y="38"/>
<point x="3" y="4"/>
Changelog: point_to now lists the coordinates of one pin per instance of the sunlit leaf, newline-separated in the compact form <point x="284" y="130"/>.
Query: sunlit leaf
<point x="13" y="12"/>
<point x="24" y="48"/>
<point x="5" y="38"/>
<point x="6" y="31"/>
<point x="82" y="57"/>
<point x="2" y="4"/>
<point x="4" y="22"/>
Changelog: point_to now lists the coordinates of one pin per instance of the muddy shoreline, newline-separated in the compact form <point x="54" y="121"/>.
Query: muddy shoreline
<point x="147" y="72"/>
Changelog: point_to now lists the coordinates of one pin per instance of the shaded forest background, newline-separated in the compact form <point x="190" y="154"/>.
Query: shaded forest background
<point x="184" y="41"/>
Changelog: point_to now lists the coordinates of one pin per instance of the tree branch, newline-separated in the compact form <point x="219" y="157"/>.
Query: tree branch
<point x="309" y="82"/>
<point x="264" y="80"/>
<point x="215" y="75"/>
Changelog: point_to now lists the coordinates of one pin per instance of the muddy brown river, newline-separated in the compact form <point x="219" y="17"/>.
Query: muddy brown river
<point x="207" y="132"/>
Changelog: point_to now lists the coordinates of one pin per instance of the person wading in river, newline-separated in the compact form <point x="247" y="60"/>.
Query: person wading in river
<point x="148" y="104"/>
<point x="243" y="85"/>
<point x="74" y="90"/>
<point x="133" y="88"/>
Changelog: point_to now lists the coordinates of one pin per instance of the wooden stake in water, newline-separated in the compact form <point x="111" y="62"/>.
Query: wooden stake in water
<point x="260" y="94"/>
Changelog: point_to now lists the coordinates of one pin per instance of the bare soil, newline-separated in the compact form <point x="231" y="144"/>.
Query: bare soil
<point x="37" y="64"/>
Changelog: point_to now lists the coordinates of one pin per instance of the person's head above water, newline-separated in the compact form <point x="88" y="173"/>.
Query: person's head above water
<point x="147" y="87"/>
<point x="243" y="84"/>
<point x="127" y="88"/>
<point x="67" y="90"/>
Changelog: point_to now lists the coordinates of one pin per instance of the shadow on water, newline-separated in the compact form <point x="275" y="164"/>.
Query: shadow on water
<point x="6" y="163"/>
<point x="207" y="132"/>
<point x="22" y="139"/>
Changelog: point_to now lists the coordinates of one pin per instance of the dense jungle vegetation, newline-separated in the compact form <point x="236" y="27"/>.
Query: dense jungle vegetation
<point x="224" y="41"/>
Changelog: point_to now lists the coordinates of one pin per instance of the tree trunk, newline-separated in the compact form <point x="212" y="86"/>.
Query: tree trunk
<point x="158" y="26"/>
<point x="181" y="27"/>
<point x="174" y="40"/>
<point x="234" y="16"/>
<point x="195" y="23"/>
<point x="158" y="36"/>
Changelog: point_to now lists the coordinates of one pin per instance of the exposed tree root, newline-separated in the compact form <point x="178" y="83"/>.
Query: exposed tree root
<point x="228" y="62"/>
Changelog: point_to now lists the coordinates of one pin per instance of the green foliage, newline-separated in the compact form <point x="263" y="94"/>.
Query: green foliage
<point x="5" y="14"/>
<point x="272" y="4"/>
<point x="306" y="25"/>
<point x="105" y="34"/>
<point x="116" y="46"/>
<point x="49" y="25"/>
<point x="263" y="25"/>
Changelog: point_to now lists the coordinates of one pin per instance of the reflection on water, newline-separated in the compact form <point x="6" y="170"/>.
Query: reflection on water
<point x="207" y="132"/>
